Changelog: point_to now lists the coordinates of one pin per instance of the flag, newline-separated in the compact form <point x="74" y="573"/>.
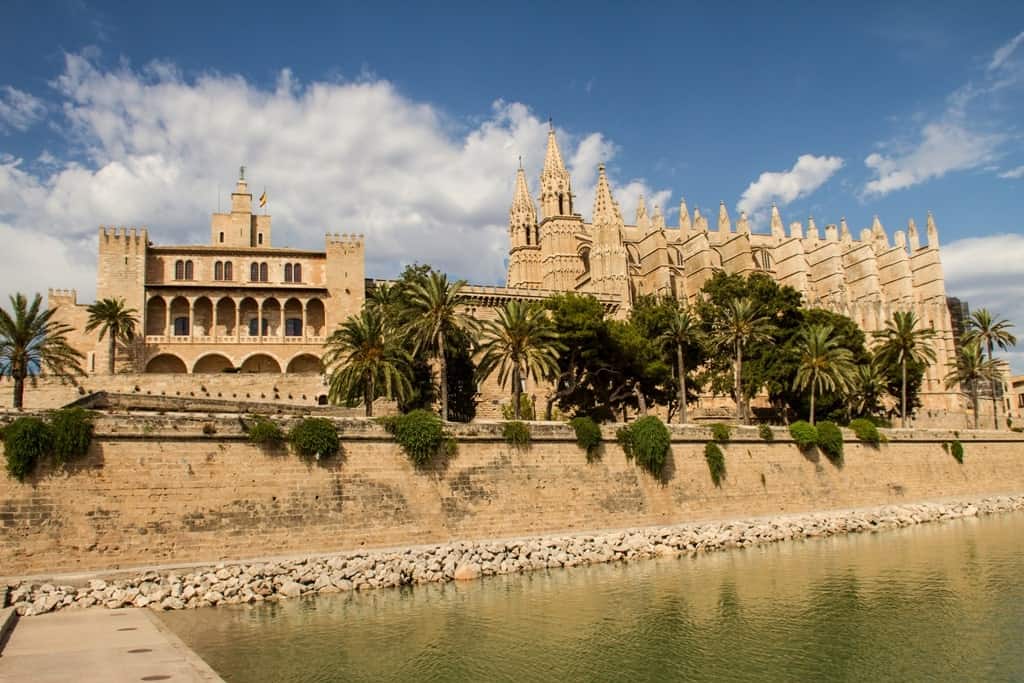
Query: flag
<point x="263" y="199"/>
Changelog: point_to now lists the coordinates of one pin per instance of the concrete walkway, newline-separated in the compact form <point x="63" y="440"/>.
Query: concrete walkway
<point x="99" y="645"/>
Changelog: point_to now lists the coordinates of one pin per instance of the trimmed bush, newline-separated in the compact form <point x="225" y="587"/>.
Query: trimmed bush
<point x="516" y="433"/>
<point x="765" y="432"/>
<point x="526" y="409"/>
<point x="716" y="462"/>
<point x="420" y="433"/>
<point x="804" y="434"/>
<point x="721" y="432"/>
<point x="72" y="434"/>
<point x="830" y="441"/>
<point x="265" y="433"/>
<point x="865" y="430"/>
<point x="956" y="449"/>
<point x="315" y="437"/>
<point x="588" y="435"/>
<point x="27" y="440"/>
<point x="648" y="440"/>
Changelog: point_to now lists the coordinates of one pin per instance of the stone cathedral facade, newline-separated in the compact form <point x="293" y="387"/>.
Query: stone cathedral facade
<point x="865" y="277"/>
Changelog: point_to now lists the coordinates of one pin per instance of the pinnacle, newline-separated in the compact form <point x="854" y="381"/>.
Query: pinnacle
<point x="553" y="158"/>
<point x="604" y="204"/>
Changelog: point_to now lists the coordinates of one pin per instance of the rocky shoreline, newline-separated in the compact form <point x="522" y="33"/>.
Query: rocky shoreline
<point x="235" y="583"/>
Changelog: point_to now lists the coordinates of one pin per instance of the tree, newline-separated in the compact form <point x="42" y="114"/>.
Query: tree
<point x="580" y="323"/>
<point x="434" y="304"/>
<point x="741" y="324"/>
<point x="682" y="332"/>
<point x="519" y="344"/>
<point x="32" y="341"/>
<point x="903" y="344"/>
<point x="970" y="369"/>
<point x="991" y="332"/>
<point x="115" y="321"/>
<point x="824" y="364"/>
<point x="366" y="362"/>
<point x="867" y="387"/>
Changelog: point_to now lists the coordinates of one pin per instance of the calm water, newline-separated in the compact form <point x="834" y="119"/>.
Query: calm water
<point x="931" y="603"/>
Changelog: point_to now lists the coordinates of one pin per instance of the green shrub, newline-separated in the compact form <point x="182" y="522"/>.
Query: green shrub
<point x="27" y="440"/>
<point x="865" y="430"/>
<point x="420" y="433"/>
<point x="526" y="409"/>
<point x="648" y="440"/>
<point x="72" y="433"/>
<point x="830" y="441"/>
<point x="765" y="432"/>
<point x="516" y="433"/>
<point x="721" y="432"/>
<point x="315" y="437"/>
<point x="804" y="434"/>
<point x="588" y="435"/>
<point x="265" y="433"/>
<point x="956" y="449"/>
<point x="624" y="435"/>
<point x="716" y="462"/>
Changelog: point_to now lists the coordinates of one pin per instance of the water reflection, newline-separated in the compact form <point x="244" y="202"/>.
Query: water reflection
<point x="928" y="603"/>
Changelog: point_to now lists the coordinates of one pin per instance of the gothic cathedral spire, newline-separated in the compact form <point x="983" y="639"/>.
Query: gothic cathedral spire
<point x="555" y="189"/>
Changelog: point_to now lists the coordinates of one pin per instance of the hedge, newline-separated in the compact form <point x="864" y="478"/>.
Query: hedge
<point x="804" y="434"/>
<point x="716" y="462"/>
<point x="315" y="437"/>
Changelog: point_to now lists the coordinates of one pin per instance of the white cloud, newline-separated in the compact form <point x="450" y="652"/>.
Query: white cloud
<point x="943" y="147"/>
<point x="161" y="150"/>
<point x="808" y="174"/>
<point x="1013" y="173"/>
<point x="19" y="110"/>
<point x="1000" y="56"/>
<point x="986" y="272"/>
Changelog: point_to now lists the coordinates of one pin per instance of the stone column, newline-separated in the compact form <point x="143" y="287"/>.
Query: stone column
<point x="191" y="319"/>
<point x="259" y="319"/>
<point x="280" y="321"/>
<point x="305" y="335"/>
<point x="238" y="320"/>
<point x="167" y="322"/>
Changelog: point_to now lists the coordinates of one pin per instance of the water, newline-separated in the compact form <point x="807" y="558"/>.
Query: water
<point x="930" y="603"/>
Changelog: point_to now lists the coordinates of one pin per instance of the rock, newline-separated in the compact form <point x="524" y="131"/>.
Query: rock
<point x="290" y="589"/>
<point x="467" y="572"/>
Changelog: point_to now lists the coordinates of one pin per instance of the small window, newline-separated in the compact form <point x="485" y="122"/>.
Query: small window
<point x="179" y="270"/>
<point x="254" y="330"/>
<point x="188" y="270"/>
<point x="263" y="272"/>
<point x="181" y="326"/>
<point x="528" y="231"/>
<point x="293" y="327"/>
<point x="287" y="272"/>
<point x="254" y="272"/>
<point x="297" y="273"/>
<point x="222" y="238"/>
<point x="218" y="271"/>
<point x="259" y="238"/>
<point x="228" y="275"/>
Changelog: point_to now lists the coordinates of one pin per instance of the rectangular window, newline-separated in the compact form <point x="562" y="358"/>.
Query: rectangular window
<point x="253" y="329"/>
<point x="293" y="327"/>
<point x="181" y="327"/>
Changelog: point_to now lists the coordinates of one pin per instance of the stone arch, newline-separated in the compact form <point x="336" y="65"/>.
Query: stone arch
<point x="304" y="363"/>
<point x="180" y="310"/>
<point x="156" y="316"/>
<point x="202" y="322"/>
<point x="315" y="318"/>
<point x="224" y="312"/>
<point x="273" y="313"/>
<point x="210" y="363"/>
<point x="261" y="362"/>
<point x="584" y="254"/>
<point x="247" y="310"/>
<point x="166" y="363"/>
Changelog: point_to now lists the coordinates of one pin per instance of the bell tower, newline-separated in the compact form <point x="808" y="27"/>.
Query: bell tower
<point x="561" y="265"/>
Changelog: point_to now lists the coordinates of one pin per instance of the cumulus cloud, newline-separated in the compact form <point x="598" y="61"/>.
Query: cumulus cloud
<point x="19" y="110"/>
<point x="1013" y="173"/>
<point x="986" y="272"/>
<point x="808" y="174"/>
<point x="155" y="148"/>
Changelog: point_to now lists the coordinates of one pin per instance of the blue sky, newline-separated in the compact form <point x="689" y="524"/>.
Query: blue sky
<point x="404" y="122"/>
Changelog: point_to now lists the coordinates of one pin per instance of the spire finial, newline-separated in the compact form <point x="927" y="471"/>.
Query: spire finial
<point x="520" y="162"/>
<point x="551" y="125"/>
<point x="241" y="172"/>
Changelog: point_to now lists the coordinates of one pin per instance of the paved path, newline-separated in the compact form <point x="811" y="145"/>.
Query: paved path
<point x="99" y="645"/>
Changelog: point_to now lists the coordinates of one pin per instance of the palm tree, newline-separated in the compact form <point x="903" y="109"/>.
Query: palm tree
<point x="682" y="332"/>
<point x="824" y="364"/>
<point x="434" y="305"/>
<point x="366" y="362"/>
<point x="521" y="342"/>
<point x="991" y="332"/>
<point x="742" y="323"/>
<point x="387" y="299"/>
<point x="970" y="368"/>
<point x="866" y="389"/>
<point x="31" y="341"/>
<point x="115" y="321"/>
<point x="901" y="342"/>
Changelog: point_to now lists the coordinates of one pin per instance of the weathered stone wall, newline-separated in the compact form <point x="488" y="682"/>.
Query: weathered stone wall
<point x="159" y="490"/>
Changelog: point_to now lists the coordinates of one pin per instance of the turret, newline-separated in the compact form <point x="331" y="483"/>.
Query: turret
<point x="912" y="237"/>
<point x="555" y="189"/>
<point x="522" y="216"/>
<point x="743" y="224"/>
<point x="657" y="219"/>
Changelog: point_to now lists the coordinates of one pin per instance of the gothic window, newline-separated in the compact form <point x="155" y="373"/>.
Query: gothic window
<point x="263" y="272"/>
<point x="293" y="327"/>
<point x="561" y="208"/>
<point x="218" y="271"/>
<point x="188" y="270"/>
<point x="536" y="234"/>
<point x="297" y="273"/>
<point x="763" y="259"/>
<point x="179" y="270"/>
<point x="585" y="257"/>
<point x="528" y="231"/>
<point x="254" y="272"/>
<point x="228" y="275"/>
<point x="181" y="326"/>
<point x="287" y="272"/>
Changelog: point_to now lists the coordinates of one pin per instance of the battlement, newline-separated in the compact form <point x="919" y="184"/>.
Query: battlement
<point x="133" y="237"/>
<point x="345" y="239"/>
<point x="62" y="296"/>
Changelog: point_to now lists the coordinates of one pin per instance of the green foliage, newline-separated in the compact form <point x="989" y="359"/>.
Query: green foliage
<point x="624" y="437"/>
<point x="865" y="430"/>
<point x="27" y="440"/>
<point x="830" y="441"/>
<point x="72" y="430"/>
<point x="265" y="432"/>
<point x="315" y="437"/>
<point x="648" y="441"/>
<point x="526" y="409"/>
<point x="420" y="433"/>
<point x="956" y="449"/>
<point x="516" y="433"/>
<point x="716" y="462"/>
<point x="765" y="432"/>
<point x="588" y="435"/>
<point x="804" y="434"/>
<point x="721" y="432"/>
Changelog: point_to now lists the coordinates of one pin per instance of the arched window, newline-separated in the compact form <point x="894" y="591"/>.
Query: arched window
<point x="222" y="238"/>
<point x="528" y="231"/>
<point x="188" y="270"/>
<point x="561" y="207"/>
<point x="228" y="275"/>
<point x="263" y="272"/>
<point x="287" y="272"/>
<point x="297" y="273"/>
<point x="254" y="272"/>
<point x="179" y="270"/>
<point x="218" y="271"/>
